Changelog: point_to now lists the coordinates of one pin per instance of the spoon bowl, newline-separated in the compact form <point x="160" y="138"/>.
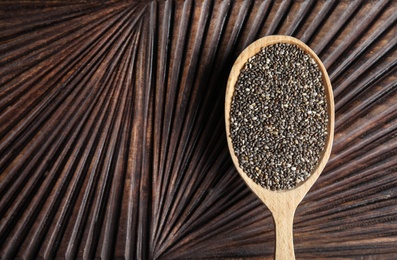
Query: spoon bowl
<point x="283" y="203"/>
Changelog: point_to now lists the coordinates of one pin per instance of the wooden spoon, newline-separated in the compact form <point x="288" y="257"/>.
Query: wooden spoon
<point x="282" y="204"/>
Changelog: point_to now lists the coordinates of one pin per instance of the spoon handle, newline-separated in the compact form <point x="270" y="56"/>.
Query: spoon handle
<point x="283" y="222"/>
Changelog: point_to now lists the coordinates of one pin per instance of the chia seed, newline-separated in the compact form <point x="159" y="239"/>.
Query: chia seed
<point x="278" y="117"/>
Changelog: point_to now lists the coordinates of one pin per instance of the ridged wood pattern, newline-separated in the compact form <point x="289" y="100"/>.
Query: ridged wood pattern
<point x="112" y="138"/>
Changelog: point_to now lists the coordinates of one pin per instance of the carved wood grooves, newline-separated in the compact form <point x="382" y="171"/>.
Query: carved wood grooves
<point x="112" y="141"/>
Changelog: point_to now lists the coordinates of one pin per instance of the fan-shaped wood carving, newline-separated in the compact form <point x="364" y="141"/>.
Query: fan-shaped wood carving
<point x="112" y="142"/>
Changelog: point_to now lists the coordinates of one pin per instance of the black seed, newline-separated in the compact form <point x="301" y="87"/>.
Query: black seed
<point x="279" y="116"/>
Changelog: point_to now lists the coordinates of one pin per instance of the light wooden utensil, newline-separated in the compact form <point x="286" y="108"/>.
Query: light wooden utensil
<point x="282" y="204"/>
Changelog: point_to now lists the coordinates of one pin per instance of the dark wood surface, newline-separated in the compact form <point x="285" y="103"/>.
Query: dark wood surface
<point x="112" y="138"/>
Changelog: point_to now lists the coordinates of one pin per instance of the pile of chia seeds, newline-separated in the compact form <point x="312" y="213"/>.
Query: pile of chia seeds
<point x="278" y="117"/>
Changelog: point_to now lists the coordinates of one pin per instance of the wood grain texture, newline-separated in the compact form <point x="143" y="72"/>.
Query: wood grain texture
<point x="112" y="137"/>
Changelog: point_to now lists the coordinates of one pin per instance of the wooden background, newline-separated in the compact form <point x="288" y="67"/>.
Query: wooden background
<point x="112" y="138"/>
